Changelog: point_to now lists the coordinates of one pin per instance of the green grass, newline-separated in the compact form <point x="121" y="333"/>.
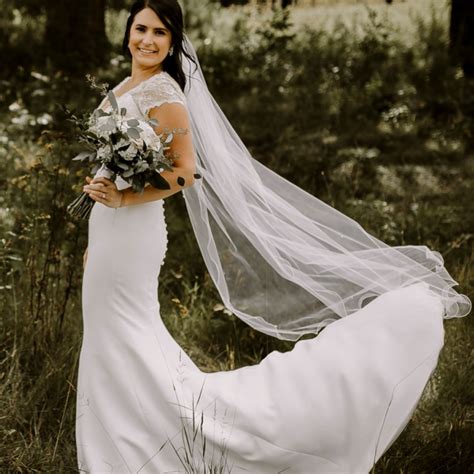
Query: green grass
<point x="401" y="14"/>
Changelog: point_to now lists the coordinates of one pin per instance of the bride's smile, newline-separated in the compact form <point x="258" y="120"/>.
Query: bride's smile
<point x="149" y="44"/>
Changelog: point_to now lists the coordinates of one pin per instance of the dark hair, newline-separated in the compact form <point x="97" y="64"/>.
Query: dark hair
<point x="170" y="13"/>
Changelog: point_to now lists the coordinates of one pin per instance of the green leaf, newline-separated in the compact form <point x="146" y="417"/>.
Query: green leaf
<point x="133" y="133"/>
<point x="157" y="181"/>
<point x="100" y="113"/>
<point x="129" y="173"/>
<point x="84" y="155"/>
<point x="112" y="100"/>
<point x="133" y="122"/>
<point x="138" y="183"/>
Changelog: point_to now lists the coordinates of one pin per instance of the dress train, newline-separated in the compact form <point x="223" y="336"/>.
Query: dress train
<point x="334" y="403"/>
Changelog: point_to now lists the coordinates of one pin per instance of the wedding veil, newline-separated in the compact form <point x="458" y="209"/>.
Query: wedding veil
<point x="283" y="261"/>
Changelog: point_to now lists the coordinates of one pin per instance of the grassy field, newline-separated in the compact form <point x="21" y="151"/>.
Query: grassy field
<point x="402" y="15"/>
<point x="371" y="117"/>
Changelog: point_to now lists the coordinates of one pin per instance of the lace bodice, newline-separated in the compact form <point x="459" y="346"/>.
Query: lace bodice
<point x="157" y="90"/>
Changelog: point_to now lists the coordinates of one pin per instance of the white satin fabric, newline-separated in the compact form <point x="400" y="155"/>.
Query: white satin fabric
<point x="334" y="403"/>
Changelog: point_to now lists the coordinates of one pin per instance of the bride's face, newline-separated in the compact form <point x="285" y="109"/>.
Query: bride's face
<point x="150" y="40"/>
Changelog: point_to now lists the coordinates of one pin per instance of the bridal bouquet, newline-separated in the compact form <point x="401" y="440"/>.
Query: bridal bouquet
<point x="119" y="146"/>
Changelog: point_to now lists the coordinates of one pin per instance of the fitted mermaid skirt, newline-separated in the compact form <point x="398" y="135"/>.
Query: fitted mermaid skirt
<point x="334" y="403"/>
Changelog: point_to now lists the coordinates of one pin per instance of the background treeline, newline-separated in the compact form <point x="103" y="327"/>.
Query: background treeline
<point x="72" y="36"/>
<point x="370" y="109"/>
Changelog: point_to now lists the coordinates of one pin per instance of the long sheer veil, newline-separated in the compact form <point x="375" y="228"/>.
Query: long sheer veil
<point x="283" y="261"/>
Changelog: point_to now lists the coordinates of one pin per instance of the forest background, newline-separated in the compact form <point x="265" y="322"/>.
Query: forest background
<point x="368" y="106"/>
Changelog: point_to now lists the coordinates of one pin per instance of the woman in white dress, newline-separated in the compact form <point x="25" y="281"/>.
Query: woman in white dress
<point x="284" y="262"/>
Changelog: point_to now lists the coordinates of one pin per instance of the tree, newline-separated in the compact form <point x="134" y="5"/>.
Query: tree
<point x="75" y="37"/>
<point x="461" y="34"/>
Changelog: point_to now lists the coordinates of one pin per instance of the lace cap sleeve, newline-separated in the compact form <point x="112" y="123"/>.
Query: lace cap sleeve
<point x="162" y="89"/>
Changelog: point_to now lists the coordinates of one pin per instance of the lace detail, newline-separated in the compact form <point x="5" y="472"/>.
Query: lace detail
<point x="160" y="89"/>
<point x="152" y="92"/>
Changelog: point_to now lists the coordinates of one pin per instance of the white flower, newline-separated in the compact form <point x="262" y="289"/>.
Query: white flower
<point x="103" y="153"/>
<point x="102" y="126"/>
<point x="14" y="107"/>
<point x="130" y="153"/>
<point x="44" y="119"/>
<point x="147" y="135"/>
<point x="121" y="143"/>
<point x="22" y="120"/>
<point x="150" y="137"/>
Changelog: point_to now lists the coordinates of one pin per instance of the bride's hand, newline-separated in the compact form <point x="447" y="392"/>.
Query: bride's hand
<point x="103" y="190"/>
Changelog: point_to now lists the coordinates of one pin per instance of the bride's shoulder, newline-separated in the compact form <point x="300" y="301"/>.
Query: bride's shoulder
<point x="160" y="89"/>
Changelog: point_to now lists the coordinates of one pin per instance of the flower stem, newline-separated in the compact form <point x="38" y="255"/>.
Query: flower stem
<point x="81" y="207"/>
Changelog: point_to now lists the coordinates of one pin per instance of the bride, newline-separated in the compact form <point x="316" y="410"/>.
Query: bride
<point x="284" y="262"/>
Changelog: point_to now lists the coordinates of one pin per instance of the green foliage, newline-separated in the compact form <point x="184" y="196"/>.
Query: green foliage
<point x="374" y="124"/>
<point x="39" y="291"/>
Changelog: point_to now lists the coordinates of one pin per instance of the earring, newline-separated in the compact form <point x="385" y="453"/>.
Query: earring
<point x="171" y="51"/>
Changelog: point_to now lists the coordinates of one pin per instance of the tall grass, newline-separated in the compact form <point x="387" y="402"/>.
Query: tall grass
<point x="375" y="125"/>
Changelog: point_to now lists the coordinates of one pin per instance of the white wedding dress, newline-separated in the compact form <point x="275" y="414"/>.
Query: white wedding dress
<point x="334" y="403"/>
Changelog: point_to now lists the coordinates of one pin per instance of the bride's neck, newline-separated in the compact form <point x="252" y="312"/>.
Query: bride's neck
<point x="138" y="74"/>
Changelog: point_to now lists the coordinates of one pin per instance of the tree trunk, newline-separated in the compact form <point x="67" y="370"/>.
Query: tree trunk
<point x="75" y="35"/>
<point x="461" y="34"/>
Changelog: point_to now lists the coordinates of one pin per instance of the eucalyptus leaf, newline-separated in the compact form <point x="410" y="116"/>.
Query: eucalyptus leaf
<point x="133" y="133"/>
<point x="166" y="166"/>
<point x="133" y="122"/>
<point x="142" y="167"/>
<point x="123" y="111"/>
<point x="157" y="181"/>
<point x="100" y="113"/>
<point x="113" y="101"/>
<point x="84" y="155"/>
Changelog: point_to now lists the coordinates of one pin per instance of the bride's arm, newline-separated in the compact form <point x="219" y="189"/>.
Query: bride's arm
<point x="170" y="117"/>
